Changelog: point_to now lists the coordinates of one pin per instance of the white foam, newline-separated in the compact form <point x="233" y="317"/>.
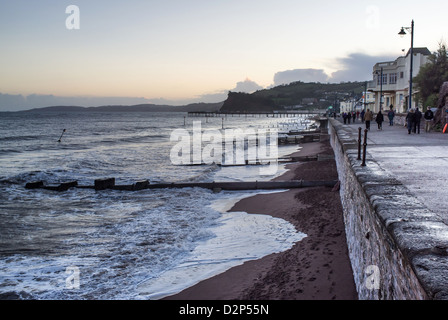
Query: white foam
<point x="239" y="237"/>
<point x="123" y="239"/>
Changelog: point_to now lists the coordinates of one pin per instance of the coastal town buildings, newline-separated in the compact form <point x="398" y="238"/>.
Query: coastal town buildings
<point x="366" y="102"/>
<point x="391" y="80"/>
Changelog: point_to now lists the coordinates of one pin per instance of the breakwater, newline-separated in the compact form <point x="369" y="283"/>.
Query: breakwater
<point x="109" y="184"/>
<point x="396" y="245"/>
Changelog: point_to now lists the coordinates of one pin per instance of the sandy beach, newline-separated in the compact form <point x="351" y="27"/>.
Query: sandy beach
<point x="316" y="268"/>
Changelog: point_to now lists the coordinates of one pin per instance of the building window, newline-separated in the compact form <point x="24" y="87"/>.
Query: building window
<point x="393" y="78"/>
<point x="401" y="75"/>
<point x="384" y="79"/>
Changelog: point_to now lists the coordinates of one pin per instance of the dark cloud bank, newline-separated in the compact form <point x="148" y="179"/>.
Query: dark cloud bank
<point x="355" y="67"/>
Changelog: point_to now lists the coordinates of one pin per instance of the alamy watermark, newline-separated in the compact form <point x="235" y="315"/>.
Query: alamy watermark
<point x="373" y="277"/>
<point x="372" y="17"/>
<point x="72" y="282"/>
<point x="226" y="147"/>
<point x="73" y="21"/>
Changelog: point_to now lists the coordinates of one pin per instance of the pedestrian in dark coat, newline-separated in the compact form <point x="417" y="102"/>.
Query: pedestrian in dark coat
<point x="379" y="120"/>
<point x="418" y="118"/>
<point x="391" y="115"/>
<point x="429" y="115"/>
<point x="410" y="119"/>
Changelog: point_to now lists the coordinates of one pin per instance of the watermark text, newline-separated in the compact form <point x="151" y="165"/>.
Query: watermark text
<point x="373" y="277"/>
<point x="226" y="147"/>
<point x="72" y="282"/>
<point x="73" y="21"/>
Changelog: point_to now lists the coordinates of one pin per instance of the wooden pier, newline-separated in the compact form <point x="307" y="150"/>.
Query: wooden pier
<point x="109" y="184"/>
<point x="291" y="114"/>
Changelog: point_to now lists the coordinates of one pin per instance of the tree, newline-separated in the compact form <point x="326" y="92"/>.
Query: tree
<point x="431" y="77"/>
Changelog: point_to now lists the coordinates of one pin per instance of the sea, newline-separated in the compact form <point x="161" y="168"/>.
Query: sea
<point x="84" y="244"/>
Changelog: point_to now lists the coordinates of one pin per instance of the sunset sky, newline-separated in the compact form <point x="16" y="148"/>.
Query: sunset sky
<point x="182" y="51"/>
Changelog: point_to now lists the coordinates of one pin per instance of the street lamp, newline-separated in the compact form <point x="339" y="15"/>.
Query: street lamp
<point x="365" y="97"/>
<point x="402" y="33"/>
<point x="381" y="87"/>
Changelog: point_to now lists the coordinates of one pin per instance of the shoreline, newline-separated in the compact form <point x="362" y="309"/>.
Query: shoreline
<point x="315" y="268"/>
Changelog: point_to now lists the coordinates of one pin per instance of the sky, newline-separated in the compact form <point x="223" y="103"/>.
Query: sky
<point x="184" y="51"/>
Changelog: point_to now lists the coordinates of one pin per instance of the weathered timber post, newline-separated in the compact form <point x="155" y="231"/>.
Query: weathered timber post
<point x="359" y="143"/>
<point x="103" y="184"/>
<point x="365" y="148"/>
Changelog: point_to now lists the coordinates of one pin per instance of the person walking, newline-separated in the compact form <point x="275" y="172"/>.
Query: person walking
<point x="367" y="118"/>
<point x="410" y="119"/>
<point x="391" y="115"/>
<point x="379" y="120"/>
<point x="429" y="115"/>
<point x="418" y="118"/>
<point x="363" y="113"/>
<point x="349" y="117"/>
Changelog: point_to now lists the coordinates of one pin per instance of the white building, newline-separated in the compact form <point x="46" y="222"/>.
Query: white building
<point x="367" y="102"/>
<point x="392" y="79"/>
<point x="347" y="106"/>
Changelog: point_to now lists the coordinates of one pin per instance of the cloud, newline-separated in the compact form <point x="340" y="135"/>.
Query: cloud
<point x="10" y="102"/>
<point x="246" y="86"/>
<point x="354" y="67"/>
<point x="304" y="75"/>
<point x="357" y="67"/>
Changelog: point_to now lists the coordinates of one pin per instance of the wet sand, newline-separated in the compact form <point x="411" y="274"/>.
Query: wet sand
<point x="316" y="268"/>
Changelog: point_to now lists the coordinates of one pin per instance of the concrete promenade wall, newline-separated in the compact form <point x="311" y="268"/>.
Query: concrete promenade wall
<point x="397" y="247"/>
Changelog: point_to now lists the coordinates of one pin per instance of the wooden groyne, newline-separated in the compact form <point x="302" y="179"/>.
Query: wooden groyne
<point x="109" y="184"/>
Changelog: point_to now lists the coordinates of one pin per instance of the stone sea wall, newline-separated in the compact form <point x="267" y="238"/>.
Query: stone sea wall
<point x="397" y="247"/>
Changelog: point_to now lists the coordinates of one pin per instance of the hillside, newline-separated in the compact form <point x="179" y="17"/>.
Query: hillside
<point x="244" y="102"/>
<point x="306" y="95"/>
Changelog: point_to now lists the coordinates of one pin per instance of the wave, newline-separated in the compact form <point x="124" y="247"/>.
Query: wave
<point x="20" y="138"/>
<point x="7" y="151"/>
<point x="112" y="236"/>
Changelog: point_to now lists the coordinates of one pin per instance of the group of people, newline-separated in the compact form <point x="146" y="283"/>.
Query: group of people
<point x="413" y="118"/>
<point x="368" y="117"/>
<point x="348" y="116"/>
<point x="379" y="119"/>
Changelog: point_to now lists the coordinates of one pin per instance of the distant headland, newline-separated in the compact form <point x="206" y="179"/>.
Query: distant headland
<point x="209" y="107"/>
<point x="298" y="95"/>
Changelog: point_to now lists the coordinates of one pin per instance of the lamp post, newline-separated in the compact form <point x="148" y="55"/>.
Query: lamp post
<point x="402" y="33"/>
<point x="365" y="98"/>
<point x="381" y="88"/>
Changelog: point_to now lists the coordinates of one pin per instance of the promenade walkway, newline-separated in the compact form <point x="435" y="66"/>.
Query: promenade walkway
<point x="419" y="161"/>
<point x="395" y="209"/>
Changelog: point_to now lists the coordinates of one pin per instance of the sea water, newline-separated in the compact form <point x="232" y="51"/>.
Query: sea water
<point x="84" y="244"/>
